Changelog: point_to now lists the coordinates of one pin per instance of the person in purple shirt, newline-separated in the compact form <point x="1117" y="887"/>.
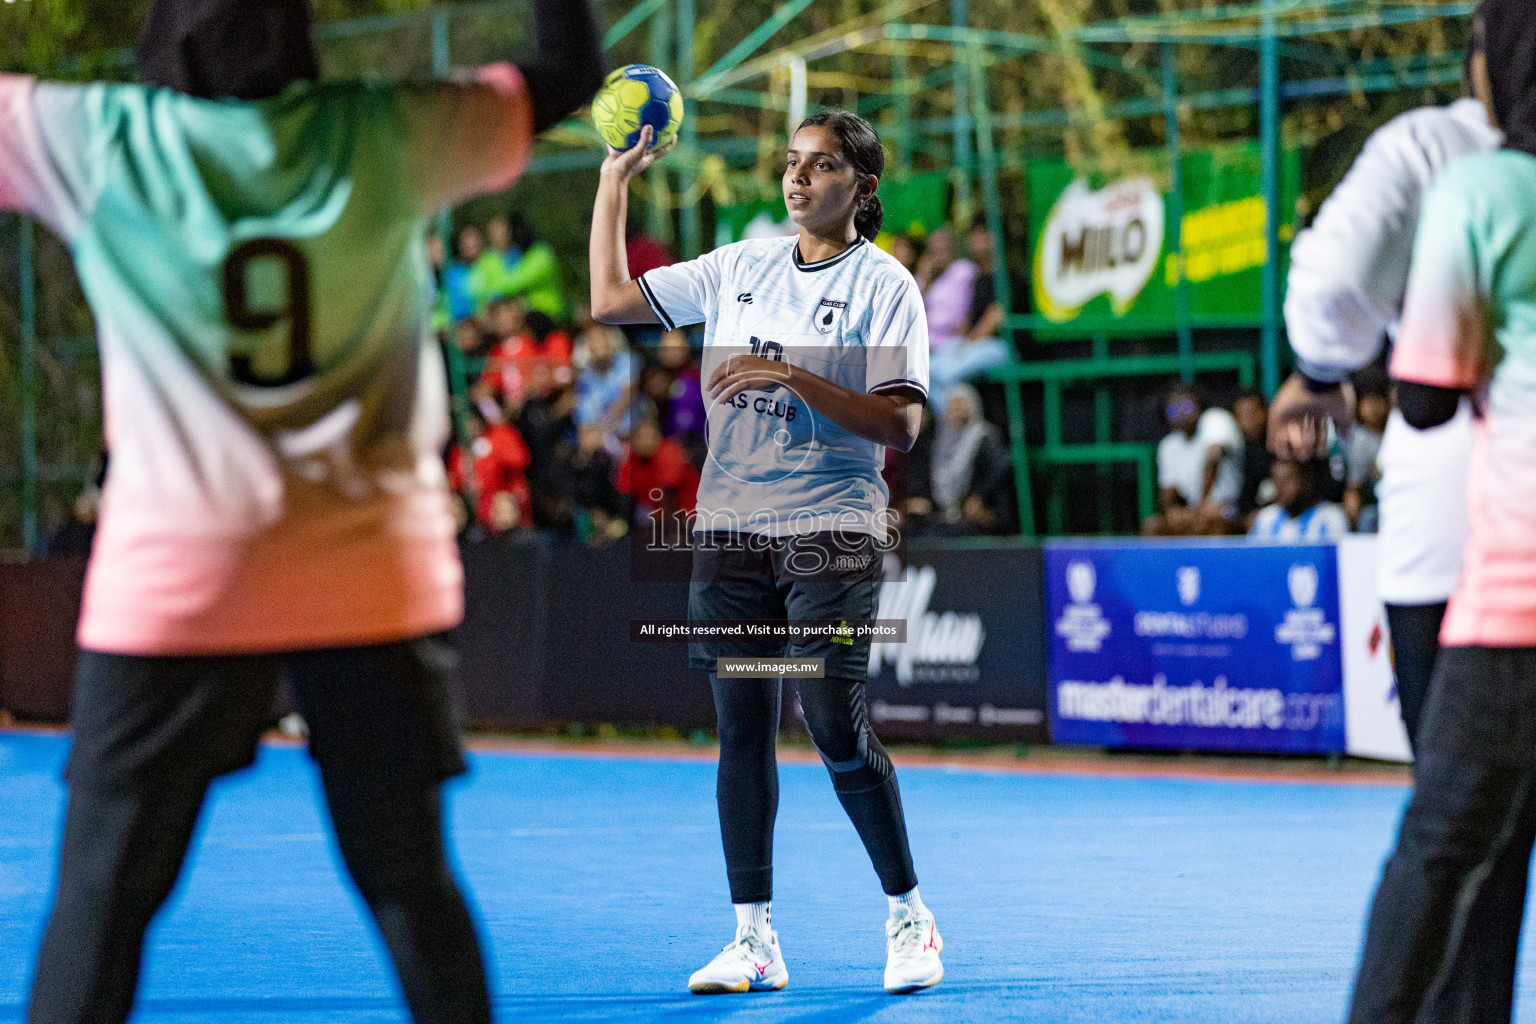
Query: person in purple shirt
<point x="957" y="352"/>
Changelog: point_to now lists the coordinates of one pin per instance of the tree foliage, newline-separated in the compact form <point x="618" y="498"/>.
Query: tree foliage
<point x="1053" y="70"/>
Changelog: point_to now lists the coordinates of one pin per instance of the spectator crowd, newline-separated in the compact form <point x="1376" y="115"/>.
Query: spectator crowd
<point x="590" y="431"/>
<point x="568" y="425"/>
<point x="1216" y="476"/>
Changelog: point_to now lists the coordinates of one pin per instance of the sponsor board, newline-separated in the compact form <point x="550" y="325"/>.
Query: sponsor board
<point x="1103" y="254"/>
<point x="1373" y="722"/>
<point x="1098" y="242"/>
<point x="973" y="665"/>
<point x="1217" y="646"/>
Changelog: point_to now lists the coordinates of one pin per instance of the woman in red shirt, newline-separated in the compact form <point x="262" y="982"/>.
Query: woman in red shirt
<point x="501" y="462"/>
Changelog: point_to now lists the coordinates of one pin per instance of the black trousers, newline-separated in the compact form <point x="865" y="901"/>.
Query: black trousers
<point x="1415" y="646"/>
<point x="1445" y="925"/>
<point x="747" y="783"/>
<point x="152" y="733"/>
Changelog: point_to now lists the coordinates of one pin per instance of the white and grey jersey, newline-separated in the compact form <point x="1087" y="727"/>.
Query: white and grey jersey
<point x="775" y="466"/>
<point x="1349" y="269"/>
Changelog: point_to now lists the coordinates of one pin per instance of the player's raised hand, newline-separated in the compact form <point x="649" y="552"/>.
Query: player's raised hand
<point x="1299" y="418"/>
<point x="626" y="163"/>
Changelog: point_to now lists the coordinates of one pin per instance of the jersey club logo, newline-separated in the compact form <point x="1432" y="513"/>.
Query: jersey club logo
<point x="829" y="314"/>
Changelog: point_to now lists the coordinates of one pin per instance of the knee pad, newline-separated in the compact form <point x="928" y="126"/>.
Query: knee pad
<point x="867" y="769"/>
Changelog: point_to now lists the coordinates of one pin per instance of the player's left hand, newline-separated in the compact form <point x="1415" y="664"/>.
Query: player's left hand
<point x="744" y="372"/>
<point x="1299" y="418"/>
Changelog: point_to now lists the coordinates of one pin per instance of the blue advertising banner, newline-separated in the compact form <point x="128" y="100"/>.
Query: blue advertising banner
<point x="1198" y="646"/>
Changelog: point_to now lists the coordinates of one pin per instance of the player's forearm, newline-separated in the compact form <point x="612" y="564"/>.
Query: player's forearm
<point x="609" y="269"/>
<point x="884" y="419"/>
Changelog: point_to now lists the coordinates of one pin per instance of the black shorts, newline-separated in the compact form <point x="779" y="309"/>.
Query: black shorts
<point x="827" y="576"/>
<point x="381" y="715"/>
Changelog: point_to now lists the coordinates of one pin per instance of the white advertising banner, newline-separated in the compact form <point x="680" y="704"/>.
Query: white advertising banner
<point x="1373" y="724"/>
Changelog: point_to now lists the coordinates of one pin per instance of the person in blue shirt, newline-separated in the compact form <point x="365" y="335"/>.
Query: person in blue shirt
<point x="1299" y="514"/>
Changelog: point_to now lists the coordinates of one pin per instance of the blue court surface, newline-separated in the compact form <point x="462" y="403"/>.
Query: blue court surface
<point x="600" y="884"/>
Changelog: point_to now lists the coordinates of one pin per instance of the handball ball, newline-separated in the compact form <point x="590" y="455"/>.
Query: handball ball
<point x="631" y="98"/>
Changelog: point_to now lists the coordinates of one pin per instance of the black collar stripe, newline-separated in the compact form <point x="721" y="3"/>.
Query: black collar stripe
<point x="811" y="268"/>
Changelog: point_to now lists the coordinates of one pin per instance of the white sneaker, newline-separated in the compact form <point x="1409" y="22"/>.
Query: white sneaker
<point x="912" y="948"/>
<point x="749" y="964"/>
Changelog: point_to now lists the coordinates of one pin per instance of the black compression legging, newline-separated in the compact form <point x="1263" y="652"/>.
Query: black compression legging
<point x="123" y="851"/>
<point x="748" y="783"/>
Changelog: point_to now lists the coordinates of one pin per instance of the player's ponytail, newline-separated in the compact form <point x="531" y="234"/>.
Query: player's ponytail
<point x="861" y="148"/>
<point x="870" y="216"/>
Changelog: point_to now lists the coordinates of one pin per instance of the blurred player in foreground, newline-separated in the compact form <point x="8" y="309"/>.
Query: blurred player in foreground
<point x="1349" y="272"/>
<point x="791" y="508"/>
<point x="253" y="245"/>
<point x="1348" y="278"/>
<point x="1445" y="924"/>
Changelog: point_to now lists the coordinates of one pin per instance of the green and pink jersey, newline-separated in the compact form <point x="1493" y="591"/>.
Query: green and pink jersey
<point x="275" y="403"/>
<point x="1469" y="322"/>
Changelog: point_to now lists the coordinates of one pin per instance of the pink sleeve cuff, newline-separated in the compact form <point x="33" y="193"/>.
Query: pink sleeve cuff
<point x="1437" y="369"/>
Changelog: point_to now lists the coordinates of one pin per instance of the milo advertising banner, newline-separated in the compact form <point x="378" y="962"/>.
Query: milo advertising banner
<point x="1102" y="241"/>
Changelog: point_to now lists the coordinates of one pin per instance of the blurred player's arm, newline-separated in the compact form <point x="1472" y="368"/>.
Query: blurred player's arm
<point x="44" y="170"/>
<point x="615" y="298"/>
<point x="1443" y="346"/>
<point x="473" y="135"/>
<point x="1348" y="274"/>
<point x="569" y="67"/>
<point x="1349" y="269"/>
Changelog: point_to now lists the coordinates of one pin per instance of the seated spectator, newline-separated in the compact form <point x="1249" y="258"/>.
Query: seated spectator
<point x="1199" y="472"/>
<point x="969" y="471"/>
<point x="500" y="460"/>
<point x="531" y="361"/>
<point x="506" y="514"/>
<point x="500" y="379"/>
<point x="536" y="277"/>
<point x="656" y="475"/>
<point x="1252" y="414"/>
<point x="475" y="279"/>
<point x="682" y="414"/>
<point x="908" y="250"/>
<point x="547" y="427"/>
<point x="498" y="236"/>
<point x="948" y="284"/>
<point x="1299" y="514"/>
<point x="606" y="385"/>
<point x="469" y="339"/>
<point x="503" y="320"/>
<point x="643" y="252"/>
<point x="1360" y="453"/>
<point x="599" y="506"/>
<point x="468" y="249"/>
<point x="980" y="346"/>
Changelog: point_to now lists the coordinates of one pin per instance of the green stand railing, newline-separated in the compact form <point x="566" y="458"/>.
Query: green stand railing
<point x="1055" y="454"/>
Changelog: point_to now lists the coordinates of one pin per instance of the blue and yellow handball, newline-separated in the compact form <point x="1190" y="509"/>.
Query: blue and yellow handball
<point x="632" y="97"/>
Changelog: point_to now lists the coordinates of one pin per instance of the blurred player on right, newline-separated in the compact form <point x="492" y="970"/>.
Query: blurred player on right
<point x="1348" y="279"/>
<point x="1445" y="924"/>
